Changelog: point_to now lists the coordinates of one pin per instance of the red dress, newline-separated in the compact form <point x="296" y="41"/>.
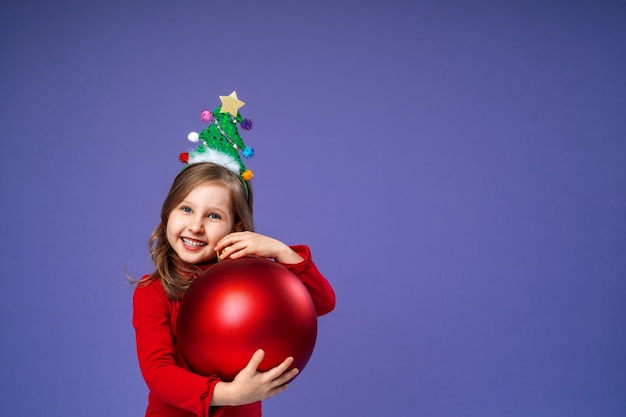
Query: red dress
<point x="175" y="391"/>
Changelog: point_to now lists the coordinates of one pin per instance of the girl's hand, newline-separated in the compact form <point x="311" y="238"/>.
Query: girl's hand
<point x="250" y="385"/>
<point x="241" y="244"/>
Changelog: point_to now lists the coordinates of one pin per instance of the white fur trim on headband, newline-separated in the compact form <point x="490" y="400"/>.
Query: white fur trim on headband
<point x="219" y="158"/>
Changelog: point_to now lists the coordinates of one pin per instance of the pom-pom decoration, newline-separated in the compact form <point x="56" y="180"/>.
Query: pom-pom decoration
<point x="184" y="157"/>
<point x="206" y="116"/>
<point x="248" y="152"/>
<point x="193" y="137"/>
<point x="246" y="124"/>
<point x="247" y="175"/>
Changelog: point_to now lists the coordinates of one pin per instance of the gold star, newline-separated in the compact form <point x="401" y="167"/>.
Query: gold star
<point x="231" y="104"/>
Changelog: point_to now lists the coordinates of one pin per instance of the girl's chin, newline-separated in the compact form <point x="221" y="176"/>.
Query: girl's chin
<point x="197" y="258"/>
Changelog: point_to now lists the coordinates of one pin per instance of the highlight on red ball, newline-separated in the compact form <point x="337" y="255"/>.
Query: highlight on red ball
<point x="238" y="306"/>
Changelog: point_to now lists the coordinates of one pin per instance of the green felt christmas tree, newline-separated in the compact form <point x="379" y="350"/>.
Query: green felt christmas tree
<point x="221" y="142"/>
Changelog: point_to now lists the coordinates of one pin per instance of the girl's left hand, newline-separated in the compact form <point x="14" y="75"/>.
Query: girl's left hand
<point x="241" y="244"/>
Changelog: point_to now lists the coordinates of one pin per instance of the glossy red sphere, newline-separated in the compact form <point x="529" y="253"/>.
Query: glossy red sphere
<point x="238" y="306"/>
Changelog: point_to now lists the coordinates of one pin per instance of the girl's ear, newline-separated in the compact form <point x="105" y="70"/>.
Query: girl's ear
<point x="238" y="227"/>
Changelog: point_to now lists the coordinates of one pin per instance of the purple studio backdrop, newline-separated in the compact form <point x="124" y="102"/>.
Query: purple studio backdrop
<point x="458" y="169"/>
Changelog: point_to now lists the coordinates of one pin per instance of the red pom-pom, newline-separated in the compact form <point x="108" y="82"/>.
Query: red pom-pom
<point x="184" y="157"/>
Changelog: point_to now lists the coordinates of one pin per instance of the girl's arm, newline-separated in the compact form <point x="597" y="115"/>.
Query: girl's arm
<point x="321" y="292"/>
<point x="168" y="381"/>
<point x="295" y="258"/>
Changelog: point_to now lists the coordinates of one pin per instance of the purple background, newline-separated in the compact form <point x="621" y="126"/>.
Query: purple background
<point x="459" y="171"/>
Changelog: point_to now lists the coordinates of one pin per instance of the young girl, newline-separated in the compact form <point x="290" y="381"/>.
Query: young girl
<point x="207" y="215"/>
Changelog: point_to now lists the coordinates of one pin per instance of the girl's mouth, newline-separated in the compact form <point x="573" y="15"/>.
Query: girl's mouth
<point x="191" y="243"/>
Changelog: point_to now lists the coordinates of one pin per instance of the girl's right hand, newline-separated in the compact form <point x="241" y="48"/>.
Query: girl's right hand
<point x="251" y="385"/>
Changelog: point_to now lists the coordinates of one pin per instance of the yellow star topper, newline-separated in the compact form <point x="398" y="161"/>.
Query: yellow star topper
<point x="231" y="104"/>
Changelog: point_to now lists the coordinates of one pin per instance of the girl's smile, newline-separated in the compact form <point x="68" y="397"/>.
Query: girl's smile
<point x="196" y="224"/>
<point x="191" y="243"/>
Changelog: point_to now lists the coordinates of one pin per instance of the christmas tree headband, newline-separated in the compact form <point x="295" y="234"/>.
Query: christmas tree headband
<point x="220" y="142"/>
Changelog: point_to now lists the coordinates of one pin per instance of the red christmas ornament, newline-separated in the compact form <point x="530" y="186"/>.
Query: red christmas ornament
<point x="238" y="306"/>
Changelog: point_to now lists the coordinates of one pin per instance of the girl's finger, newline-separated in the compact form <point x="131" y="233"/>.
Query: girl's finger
<point x="255" y="360"/>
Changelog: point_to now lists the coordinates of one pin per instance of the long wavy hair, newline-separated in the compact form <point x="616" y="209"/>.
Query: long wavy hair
<point x="174" y="273"/>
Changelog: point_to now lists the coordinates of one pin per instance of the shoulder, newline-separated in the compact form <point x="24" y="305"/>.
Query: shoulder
<point x="149" y="289"/>
<point x="151" y="305"/>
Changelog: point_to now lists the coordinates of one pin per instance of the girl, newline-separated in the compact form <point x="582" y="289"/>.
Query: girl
<point x="207" y="216"/>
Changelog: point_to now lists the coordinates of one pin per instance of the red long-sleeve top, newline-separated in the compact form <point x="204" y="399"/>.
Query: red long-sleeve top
<point x="175" y="391"/>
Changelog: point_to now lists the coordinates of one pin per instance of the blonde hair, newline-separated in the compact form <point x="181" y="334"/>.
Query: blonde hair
<point x="173" y="272"/>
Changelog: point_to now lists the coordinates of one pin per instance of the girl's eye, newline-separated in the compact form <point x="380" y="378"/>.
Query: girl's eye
<point x="214" y="216"/>
<point x="186" y="209"/>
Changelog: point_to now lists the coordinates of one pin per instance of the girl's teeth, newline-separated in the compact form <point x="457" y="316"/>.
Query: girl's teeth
<point x="193" y="243"/>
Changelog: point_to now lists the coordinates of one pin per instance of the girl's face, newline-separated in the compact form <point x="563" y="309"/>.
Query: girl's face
<point x="198" y="222"/>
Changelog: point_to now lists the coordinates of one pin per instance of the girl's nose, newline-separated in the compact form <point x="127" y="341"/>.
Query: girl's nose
<point x="195" y="225"/>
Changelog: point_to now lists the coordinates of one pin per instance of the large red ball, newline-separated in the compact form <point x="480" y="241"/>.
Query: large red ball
<point x="238" y="306"/>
